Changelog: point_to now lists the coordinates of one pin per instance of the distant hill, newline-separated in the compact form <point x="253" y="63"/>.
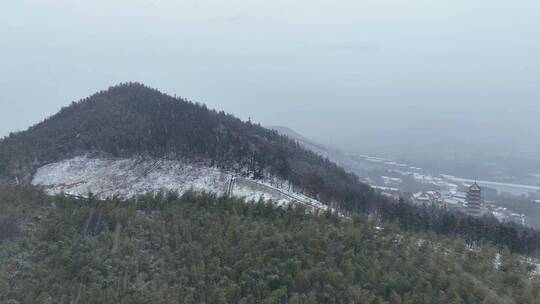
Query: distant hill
<point x="350" y="162"/>
<point x="298" y="137"/>
<point x="131" y="120"/>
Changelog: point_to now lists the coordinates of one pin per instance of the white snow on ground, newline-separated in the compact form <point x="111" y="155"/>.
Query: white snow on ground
<point x="529" y="187"/>
<point x="255" y="190"/>
<point x="496" y="185"/>
<point x="391" y="180"/>
<point x="382" y="188"/>
<point x="427" y="179"/>
<point x="129" y="177"/>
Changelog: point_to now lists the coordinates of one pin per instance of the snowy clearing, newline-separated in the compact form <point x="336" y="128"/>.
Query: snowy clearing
<point x="126" y="178"/>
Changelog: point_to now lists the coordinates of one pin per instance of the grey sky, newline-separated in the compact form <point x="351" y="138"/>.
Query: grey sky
<point x="362" y="75"/>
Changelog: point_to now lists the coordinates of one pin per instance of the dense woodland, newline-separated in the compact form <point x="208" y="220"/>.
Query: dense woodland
<point x="134" y="120"/>
<point x="477" y="232"/>
<point x="203" y="249"/>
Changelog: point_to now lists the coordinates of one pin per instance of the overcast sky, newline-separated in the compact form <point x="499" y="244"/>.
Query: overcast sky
<point x="359" y="74"/>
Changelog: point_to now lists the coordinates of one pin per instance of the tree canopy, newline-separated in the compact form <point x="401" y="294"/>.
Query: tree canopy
<point x="202" y="249"/>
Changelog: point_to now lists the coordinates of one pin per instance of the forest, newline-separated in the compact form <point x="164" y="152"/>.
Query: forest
<point x="476" y="232"/>
<point x="133" y="120"/>
<point x="199" y="248"/>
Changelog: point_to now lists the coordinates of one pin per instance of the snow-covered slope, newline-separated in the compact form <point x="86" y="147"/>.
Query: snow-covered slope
<point x="132" y="176"/>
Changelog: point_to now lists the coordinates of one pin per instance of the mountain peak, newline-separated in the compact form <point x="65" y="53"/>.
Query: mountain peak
<point x="126" y="87"/>
<point x="128" y="91"/>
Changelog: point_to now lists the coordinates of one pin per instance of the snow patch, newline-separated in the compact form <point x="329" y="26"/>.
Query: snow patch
<point x="126" y="178"/>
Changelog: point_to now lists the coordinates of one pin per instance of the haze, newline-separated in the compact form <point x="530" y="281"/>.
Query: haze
<point x="381" y="76"/>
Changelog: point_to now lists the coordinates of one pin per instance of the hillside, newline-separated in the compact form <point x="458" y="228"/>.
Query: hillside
<point x="131" y="140"/>
<point x="201" y="249"/>
<point x="131" y="121"/>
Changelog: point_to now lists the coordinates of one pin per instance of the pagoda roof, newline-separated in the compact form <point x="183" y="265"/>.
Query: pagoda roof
<point x="475" y="187"/>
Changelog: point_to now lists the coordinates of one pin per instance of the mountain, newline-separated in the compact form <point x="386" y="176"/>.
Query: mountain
<point x="137" y="135"/>
<point x="132" y="140"/>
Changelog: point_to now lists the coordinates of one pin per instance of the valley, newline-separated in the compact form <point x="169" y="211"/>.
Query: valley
<point x="507" y="201"/>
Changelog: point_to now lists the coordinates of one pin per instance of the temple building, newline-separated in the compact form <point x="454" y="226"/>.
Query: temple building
<point x="474" y="200"/>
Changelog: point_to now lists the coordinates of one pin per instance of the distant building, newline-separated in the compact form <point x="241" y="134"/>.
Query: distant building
<point x="506" y="216"/>
<point x="474" y="200"/>
<point x="422" y="198"/>
<point x="430" y="198"/>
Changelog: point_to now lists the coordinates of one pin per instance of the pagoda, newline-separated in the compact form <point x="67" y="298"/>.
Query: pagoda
<point x="474" y="200"/>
